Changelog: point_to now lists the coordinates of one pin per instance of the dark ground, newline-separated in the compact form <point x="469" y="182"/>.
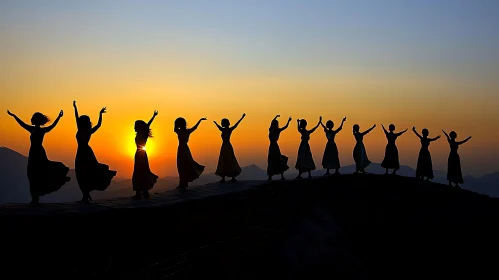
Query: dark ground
<point x="349" y="227"/>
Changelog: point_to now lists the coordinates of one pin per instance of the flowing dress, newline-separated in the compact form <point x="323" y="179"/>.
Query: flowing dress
<point x="330" y="159"/>
<point x="305" y="160"/>
<point x="142" y="179"/>
<point x="425" y="166"/>
<point x="188" y="169"/>
<point x="44" y="176"/>
<point x="277" y="162"/>
<point x="227" y="162"/>
<point x="359" y="153"/>
<point x="90" y="174"/>
<point x="391" y="160"/>
<point x="454" y="173"/>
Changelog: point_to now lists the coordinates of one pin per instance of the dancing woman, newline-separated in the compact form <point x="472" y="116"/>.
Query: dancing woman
<point x="359" y="152"/>
<point x="188" y="169"/>
<point x="454" y="173"/>
<point x="424" y="167"/>
<point x="277" y="162"/>
<point x="44" y="176"/>
<point x="330" y="159"/>
<point x="90" y="174"/>
<point x="227" y="162"/>
<point x="391" y="160"/>
<point x="143" y="179"/>
<point x="305" y="160"/>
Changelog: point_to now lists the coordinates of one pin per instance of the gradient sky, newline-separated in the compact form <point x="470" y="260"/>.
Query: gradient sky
<point x="422" y="63"/>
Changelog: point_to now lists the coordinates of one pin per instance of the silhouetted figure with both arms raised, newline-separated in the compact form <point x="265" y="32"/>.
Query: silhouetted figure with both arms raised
<point x="44" y="176"/>
<point x="330" y="159"/>
<point x="391" y="160"/>
<point x="143" y="179"/>
<point x="90" y="174"/>
<point x="277" y="163"/>
<point x="227" y="162"/>
<point x="424" y="167"/>
<point x="454" y="173"/>
<point x="188" y="169"/>
<point x="359" y="152"/>
<point x="305" y="160"/>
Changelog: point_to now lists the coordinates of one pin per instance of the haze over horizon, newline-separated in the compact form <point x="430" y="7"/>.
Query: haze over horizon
<point x="430" y="64"/>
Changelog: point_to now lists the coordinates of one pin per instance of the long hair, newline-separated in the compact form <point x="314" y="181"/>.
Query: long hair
<point x="84" y="122"/>
<point x="39" y="119"/>
<point x="143" y="129"/>
<point x="274" y="124"/>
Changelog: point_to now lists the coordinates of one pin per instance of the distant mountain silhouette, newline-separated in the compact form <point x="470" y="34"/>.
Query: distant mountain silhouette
<point x="14" y="182"/>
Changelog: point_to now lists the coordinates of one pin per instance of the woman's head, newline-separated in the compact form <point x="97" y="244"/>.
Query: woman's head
<point x="39" y="119"/>
<point x="274" y="124"/>
<point x="303" y="124"/>
<point x="84" y="122"/>
<point x="356" y="128"/>
<point x="225" y="123"/>
<point x="391" y="127"/>
<point x="453" y="135"/>
<point x="142" y="129"/>
<point x="329" y="124"/>
<point x="180" y="123"/>
<point x="425" y="132"/>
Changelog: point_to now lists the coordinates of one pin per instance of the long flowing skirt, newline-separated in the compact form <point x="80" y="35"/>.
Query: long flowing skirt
<point x="360" y="156"/>
<point x="277" y="162"/>
<point x="142" y="179"/>
<point x="227" y="162"/>
<point x="45" y="176"/>
<point x="425" y="166"/>
<point x="90" y="174"/>
<point x="330" y="159"/>
<point x="305" y="160"/>
<point x="454" y="173"/>
<point x="188" y="169"/>
<point x="391" y="160"/>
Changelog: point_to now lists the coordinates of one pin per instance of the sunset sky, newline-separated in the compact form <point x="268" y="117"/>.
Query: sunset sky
<point x="422" y="63"/>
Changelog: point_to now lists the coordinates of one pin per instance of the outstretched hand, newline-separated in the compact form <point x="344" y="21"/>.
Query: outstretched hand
<point x="74" y="103"/>
<point x="320" y="119"/>
<point x="156" y="112"/>
<point x="289" y="119"/>
<point x="10" y="114"/>
<point x="244" y="115"/>
<point x="345" y="118"/>
<point x="203" y="119"/>
<point x="61" y="113"/>
<point x="277" y="116"/>
<point x="103" y="110"/>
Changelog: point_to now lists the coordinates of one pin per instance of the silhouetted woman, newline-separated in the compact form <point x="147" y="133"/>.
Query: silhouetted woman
<point x="143" y="179"/>
<point x="44" y="176"/>
<point x="277" y="162"/>
<point x="391" y="160"/>
<point x="454" y="173"/>
<point x="359" y="152"/>
<point x="330" y="159"/>
<point x="90" y="174"/>
<point x="425" y="167"/>
<point x="305" y="160"/>
<point x="227" y="162"/>
<point x="188" y="169"/>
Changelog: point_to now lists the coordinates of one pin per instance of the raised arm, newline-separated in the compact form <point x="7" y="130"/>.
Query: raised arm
<point x="50" y="127"/>
<point x="446" y="135"/>
<point x="99" y="123"/>
<point x="369" y="130"/>
<point x="286" y="126"/>
<point x="313" y="129"/>
<point x="323" y="126"/>
<point x="238" y="122"/>
<point x="384" y="129"/>
<point x="152" y="119"/>
<point x="219" y="126"/>
<point x="276" y="117"/>
<point x="20" y="122"/>
<point x="341" y="125"/>
<point x="298" y="124"/>
<point x="196" y="125"/>
<point x="464" y="141"/>
<point x="434" y="139"/>
<point x="76" y="111"/>
<point x="400" y="133"/>
<point x="417" y="134"/>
